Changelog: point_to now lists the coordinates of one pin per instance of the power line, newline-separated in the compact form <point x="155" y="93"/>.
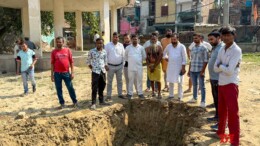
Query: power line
<point x="189" y="10"/>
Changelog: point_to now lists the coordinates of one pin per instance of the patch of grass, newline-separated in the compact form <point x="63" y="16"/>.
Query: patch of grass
<point x="252" y="57"/>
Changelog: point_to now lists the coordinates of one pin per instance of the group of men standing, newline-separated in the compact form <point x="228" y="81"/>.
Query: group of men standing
<point x="114" y="58"/>
<point x="128" y="58"/>
<point x="223" y="58"/>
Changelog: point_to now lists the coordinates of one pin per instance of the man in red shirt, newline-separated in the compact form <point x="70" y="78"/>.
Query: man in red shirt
<point x="62" y="69"/>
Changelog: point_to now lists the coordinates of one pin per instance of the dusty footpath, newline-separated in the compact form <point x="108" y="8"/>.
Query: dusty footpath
<point x="150" y="122"/>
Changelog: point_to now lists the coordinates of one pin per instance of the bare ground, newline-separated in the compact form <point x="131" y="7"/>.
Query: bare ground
<point x="148" y="122"/>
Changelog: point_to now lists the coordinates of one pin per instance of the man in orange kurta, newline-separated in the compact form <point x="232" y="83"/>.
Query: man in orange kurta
<point x="166" y="41"/>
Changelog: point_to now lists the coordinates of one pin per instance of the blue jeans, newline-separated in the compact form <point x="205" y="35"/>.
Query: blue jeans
<point x="194" y="79"/>
<point x="28" y="74"/>
<point x="58" y="77"/>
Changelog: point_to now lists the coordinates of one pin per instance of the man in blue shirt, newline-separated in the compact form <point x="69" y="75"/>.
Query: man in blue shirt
<point x="26" y="60"/>
<point x="215" y="41"/>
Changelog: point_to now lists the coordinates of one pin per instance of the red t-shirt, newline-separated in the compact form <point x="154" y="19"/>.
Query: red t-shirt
<point x="61" y="60"/>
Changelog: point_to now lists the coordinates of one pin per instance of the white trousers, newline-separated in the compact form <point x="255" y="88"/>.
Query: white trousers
<point x="135" y="78"/>
<point x="180" y="91"/>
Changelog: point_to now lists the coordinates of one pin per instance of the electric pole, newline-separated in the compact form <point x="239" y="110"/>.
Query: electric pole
<point x="176" y="15"/>
<point x="226" y="13"/>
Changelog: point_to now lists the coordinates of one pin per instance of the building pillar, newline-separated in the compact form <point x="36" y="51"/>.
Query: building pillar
<point x="31" y="21"/>
<point x="114" y="20"/>
<point x="25" y="22"/>
<point x="58" y="11"/>
<point x="79" y="33"/>
<point x="104" y="19"/>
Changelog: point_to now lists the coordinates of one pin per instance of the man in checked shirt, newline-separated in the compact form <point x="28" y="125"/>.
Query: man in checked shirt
<point x="198" y="64"/>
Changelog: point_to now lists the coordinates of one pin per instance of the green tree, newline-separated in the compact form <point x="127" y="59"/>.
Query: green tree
<point x="10" y="28"/>
<point x="47" y="22"/>
<point x="10" y="20"/>
<point x="70" y="19"/>
<point x="91" y="20"/>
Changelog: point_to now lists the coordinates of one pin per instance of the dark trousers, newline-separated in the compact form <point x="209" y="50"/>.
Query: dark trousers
<point x="214" y="90"/>
<point x="98" y="85"/>
<point x="16" y="67"/>
<point x="58" y="77"/>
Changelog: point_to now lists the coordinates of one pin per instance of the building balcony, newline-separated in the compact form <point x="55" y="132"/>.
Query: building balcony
<point x="183" y="1"/>
<point x="187" y="17"/>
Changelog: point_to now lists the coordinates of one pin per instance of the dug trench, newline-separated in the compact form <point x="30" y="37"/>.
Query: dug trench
<point x="148" y="122"/>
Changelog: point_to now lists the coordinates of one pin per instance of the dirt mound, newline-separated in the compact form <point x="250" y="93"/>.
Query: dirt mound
<point x="148" y="122"/>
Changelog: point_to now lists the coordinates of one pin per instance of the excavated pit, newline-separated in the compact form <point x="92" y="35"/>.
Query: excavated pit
<point x="148" y="122"/>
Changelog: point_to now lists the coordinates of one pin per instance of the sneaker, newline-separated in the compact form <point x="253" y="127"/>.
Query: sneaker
<point x="75" y="105"/>
<point x="170" y="98"/>
<point x="214" y="127"/>
<point x="129" y="97"/>
<point x="153" y="94"/>
<point x="192" y="101"/>
<point x="141" y="96"/>
<point x="62" y="106"/>
<point x="104" y="103"/>
<point x="121" y="96"/>
<point x="211" y="105"/>
<point x="108" y="99"/>
<point x="203" y="104"/>
<point x="212" y="119"/>
<point x="24" y="94"/>
<point x="93" y="107"/>
<point x="34" y="89"/>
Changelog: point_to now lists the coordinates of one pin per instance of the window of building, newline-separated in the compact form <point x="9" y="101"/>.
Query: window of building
<point x="164" y="10"/>
<point x="150" y="22"/>
<point x="152" y="7"/>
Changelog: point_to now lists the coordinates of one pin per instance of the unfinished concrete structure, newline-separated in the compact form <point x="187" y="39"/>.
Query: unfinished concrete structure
<point x="31" y="19"/>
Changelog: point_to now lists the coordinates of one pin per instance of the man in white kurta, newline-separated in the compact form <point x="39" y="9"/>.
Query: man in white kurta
<point x="175" y="54"/>
<point x="135" y="54"/>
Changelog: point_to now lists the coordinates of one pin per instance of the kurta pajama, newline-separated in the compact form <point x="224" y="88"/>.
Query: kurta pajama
<point x="176" y="58"/>
<point x="135" y="56"/>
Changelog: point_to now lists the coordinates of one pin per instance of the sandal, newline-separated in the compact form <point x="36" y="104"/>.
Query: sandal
<point x="166" y="89"/>
<point x="187" y="91"/>
<point x="147" y="89"/>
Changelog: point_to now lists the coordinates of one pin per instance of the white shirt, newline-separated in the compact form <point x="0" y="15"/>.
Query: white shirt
<point x="229" y="59"/>
<point x="96" y="36"/>
<point x="206" y="44"/>
<point x="177" y="57"/>
<point x="135" y="56"/>
<point x="148" y="44"/>
<point x="115" y="53"/>
<point x="16" y="50"/>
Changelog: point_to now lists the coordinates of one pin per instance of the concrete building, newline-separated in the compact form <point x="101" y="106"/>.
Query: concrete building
<point x="31" y="22"/>
<point x="181" y="15"/>
<point x="147" y="19"/>
<point x="31" y="19"/>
